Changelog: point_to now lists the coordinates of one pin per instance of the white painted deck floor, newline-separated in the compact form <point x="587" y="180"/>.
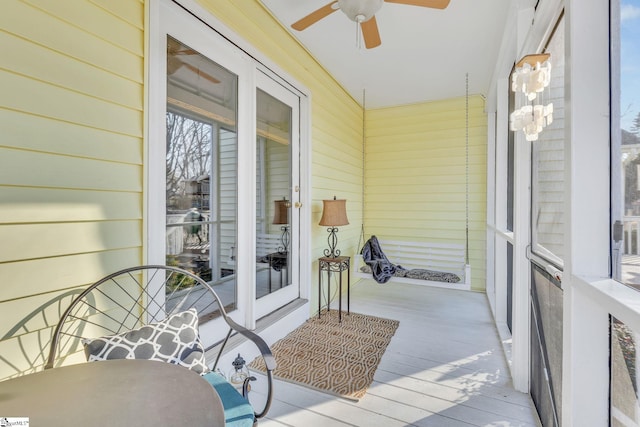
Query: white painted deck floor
<point x="444" y="367"/>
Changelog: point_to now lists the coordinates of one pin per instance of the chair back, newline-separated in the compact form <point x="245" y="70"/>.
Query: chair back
<point x="137" y="296"/>
<point x="129" y="299"/>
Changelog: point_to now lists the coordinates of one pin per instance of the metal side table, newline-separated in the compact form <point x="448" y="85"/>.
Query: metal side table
<point x="334" y="265"/>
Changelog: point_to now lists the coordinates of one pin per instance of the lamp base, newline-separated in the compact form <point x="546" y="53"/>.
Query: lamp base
<point x="332" y="240"/>
<point x="284" y="240"/>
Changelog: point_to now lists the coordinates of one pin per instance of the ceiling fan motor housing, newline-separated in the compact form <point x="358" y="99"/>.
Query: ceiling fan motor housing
<point x="360" y="10"/>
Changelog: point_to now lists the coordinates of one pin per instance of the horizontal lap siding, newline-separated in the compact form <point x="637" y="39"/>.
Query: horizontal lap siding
<point x="415" y="179"/>
<point x="71" y="173"/>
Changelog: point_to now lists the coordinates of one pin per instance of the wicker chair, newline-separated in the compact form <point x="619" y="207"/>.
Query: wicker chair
<point x="116" y="308"/>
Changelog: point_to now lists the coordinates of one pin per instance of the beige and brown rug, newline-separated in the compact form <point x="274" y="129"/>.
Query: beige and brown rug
<point x="338" y="358"/>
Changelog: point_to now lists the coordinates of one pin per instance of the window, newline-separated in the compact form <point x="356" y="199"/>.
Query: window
<point x="201" y="173"/>
<point x="624" y="375"/>
<point x="273" y="201"/>
<point x="547" y="189"/>
<point x="277" y="219"/>
<point x="510" y="196"/>
<point x="626" y="135"/>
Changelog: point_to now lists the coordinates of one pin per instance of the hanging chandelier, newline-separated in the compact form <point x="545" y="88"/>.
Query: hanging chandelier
<point x="529" y="80"/>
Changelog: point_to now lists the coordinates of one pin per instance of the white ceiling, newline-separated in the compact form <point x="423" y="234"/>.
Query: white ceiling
<point x="425" y="53"/>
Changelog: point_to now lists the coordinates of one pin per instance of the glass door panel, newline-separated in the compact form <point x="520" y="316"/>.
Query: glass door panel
<point x="625" y="135"/>
<point x="277" y="196"/>
<point x="626" y="141"/>
<point x="625" y="407"/>
<point x="547" y="187"/>
<point x="201" y="169"/>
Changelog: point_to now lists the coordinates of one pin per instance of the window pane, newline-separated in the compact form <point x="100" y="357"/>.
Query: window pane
<point x="273" y="194"/>
<point x="626" y="132"/>
<point x="547" y="203"/>
<point x="201" y="156"/>
<point x="546" y="346"/>
<point x="510" y="168"/>
<point x="624" y="375"/>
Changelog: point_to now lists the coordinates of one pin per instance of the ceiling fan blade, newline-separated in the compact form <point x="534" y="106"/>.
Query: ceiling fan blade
<point x="201" y="73"/>
<point x="435" y="4"/>
<point x="314" y="17"/>
<point x="370" y="33"/>
<point x="187" y="52"/>
<point x="174" y="47"/>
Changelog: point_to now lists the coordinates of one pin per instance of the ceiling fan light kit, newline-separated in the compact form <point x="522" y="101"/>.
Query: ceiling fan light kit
<point x="362" y="12"/>
<point x="359" y="10"/>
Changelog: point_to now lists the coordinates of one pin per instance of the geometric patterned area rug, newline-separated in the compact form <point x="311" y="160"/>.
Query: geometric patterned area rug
<point x="337" y="358"/>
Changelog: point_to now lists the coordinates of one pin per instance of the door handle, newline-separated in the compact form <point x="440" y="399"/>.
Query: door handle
<point x="297" y="205"/>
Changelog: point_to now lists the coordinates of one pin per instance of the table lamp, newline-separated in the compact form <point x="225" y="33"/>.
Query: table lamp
<point x="281" y="217"/>
<point x="334" y="214"/>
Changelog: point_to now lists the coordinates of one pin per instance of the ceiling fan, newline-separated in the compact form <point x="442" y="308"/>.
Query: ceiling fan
<point x="362" y="12"/>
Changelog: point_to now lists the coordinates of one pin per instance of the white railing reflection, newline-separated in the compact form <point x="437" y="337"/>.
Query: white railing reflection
<point x="631" y="235"/>
<point x="627" y="269"/>
<point x="184" y="232"/>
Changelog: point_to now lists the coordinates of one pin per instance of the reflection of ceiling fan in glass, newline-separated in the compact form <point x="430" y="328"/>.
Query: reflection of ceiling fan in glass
<point x="363" y="12"/>
<point x="174" y="49"/>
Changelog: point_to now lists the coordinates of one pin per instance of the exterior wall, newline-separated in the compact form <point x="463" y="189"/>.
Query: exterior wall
<point x="71" y="154"/>
<point x="71" y="114"/>
<point x="415" y="178"/>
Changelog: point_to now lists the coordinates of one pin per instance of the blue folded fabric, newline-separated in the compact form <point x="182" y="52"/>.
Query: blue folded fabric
<point x="238" y="412"/>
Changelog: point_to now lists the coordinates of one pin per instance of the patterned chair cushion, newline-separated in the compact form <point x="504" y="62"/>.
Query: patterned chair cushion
<point x="173" y="340"/>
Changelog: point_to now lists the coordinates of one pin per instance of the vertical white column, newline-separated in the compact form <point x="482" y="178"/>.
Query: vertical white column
<point x="587" y="178"/>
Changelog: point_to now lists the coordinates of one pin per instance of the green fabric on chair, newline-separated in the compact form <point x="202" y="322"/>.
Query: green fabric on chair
<point x="237" y="410"/>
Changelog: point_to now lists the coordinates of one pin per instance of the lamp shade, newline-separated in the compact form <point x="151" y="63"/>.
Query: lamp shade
<point x="281" y="212"/>
<point x="334" y="213"/>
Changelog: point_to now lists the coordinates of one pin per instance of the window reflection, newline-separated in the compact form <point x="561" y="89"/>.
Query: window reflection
<point x="629" y="140"/>
<point x="548" y="163"/>
<point x="201" y="168"/>
<point x="625" y="409"/>
<point x="273" y="195"/>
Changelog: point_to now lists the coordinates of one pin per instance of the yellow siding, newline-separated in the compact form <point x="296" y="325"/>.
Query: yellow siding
<point x="415" y="175"/>
<point x="71" y="114"/>
<point x="40" y="134"/>
<point x="57" y="33"/>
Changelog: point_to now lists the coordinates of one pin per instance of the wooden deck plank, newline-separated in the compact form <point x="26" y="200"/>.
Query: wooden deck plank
<point x="444" y="367"/>
<point x="461" y="378"/>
